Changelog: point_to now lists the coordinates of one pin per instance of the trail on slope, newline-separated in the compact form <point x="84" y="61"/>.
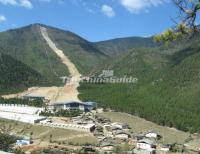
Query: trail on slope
<point x="69" y="91"/>
<point x="55" y="94"/>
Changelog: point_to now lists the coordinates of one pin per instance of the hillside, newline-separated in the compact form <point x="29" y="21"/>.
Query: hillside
<point x="168" y="85"/>
<point x="121" y="45"/>
<point x="16" y="76"/>
<point x="27" y="46"/>
<point x="81" y="52"/>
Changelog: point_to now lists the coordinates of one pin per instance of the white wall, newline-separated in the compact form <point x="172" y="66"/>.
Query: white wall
<point x="143" y="146"/>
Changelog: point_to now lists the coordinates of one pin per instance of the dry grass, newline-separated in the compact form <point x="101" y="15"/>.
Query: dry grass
<point x="138" y="125"/>
<point x="38" y="132"/>
<point x="83" y="140"/>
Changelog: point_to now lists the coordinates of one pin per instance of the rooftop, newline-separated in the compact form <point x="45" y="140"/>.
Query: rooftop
<point x="20" y="117"/>
<point x="147" y="141"/>
<point x="19" y="109"/>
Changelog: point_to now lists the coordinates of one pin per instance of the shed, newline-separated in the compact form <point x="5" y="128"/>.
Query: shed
<point x="145" y="144"/>
<point x="166" y="147"/>
<point x="23" y="142"/>
<point x="106" y="146"/>
<point x="121" y="135"/>
<point x="153" y="134"/>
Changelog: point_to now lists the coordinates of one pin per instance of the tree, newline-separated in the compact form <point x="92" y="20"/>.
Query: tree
<point x="187" y="24"/>
<point x="188" y="12"/>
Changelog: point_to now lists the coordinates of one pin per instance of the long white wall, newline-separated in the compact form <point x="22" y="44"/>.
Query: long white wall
<point x="20" y="109"/>
<point x="26" y="118"/>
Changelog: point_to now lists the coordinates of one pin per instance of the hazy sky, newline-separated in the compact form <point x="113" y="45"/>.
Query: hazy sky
<point x="92" y="19"/>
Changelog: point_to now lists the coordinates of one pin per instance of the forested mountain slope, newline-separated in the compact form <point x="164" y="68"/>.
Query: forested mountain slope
<point x="16" y="76"/>
<point x="81" y="52"/>
<point x="168" y="85"/>
<point x="26" y="45"/>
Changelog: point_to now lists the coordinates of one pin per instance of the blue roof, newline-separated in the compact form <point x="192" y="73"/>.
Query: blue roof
<point x="91" y="103"/>
<point x="70" y="102"/>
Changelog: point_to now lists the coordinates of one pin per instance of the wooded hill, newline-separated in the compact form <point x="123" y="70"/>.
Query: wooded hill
<point x="16" y="76"/>
<point x="168" y="85"/>
<point x="26" y="47"/>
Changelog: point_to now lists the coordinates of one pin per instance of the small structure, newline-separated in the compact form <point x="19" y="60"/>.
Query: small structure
<point x="166" y="147"/>
<point x="121" y="135"/>
<point x="111" y="128"/>
<point x="120" y="125"/>
<point x="145" y="144"/>
<point x="87" y="148"/>
<point x="23" y="142"/>
<point x="153" y="134"/>
<point x="139" y="136"/>
<point x="106" y="146"/>
<point x="91" y="105"/>
<point x="141" y="151"/>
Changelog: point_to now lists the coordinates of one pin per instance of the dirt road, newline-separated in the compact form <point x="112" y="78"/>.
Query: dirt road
<point x="56" y="94"/>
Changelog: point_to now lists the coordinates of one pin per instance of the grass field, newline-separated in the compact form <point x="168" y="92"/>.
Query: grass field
<point x="138" y="125"/>
<point x="38" y="132"/>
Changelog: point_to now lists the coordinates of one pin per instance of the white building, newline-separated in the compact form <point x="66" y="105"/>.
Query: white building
<point x="166" y="148"/>
<point x="153" y="134"/>
<point x="20" y="109"/>
<point x="23" y="142"/>
<point x="140" y="151"/>
<point x="121" y="135"/>
<point x="21" y="113"/>
<point x="120" y="125"/>
<point x="26" y="118"/>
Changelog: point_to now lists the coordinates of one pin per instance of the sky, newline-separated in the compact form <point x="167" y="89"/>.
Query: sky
<point x="94" y="20"/>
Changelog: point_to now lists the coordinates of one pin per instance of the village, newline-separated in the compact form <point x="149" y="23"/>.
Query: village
<point x="109" y="134"/>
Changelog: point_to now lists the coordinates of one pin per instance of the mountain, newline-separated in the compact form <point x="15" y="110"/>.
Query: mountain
<point x="26" y="45"/>
<point x="16" y="76"/>
<point x="121" y="45"/>
<point x="168" y="85"/>
<point x="81" y="52"/>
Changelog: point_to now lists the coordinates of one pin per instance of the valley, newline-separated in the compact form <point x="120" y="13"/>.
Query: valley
<point x="165" y="99"/>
